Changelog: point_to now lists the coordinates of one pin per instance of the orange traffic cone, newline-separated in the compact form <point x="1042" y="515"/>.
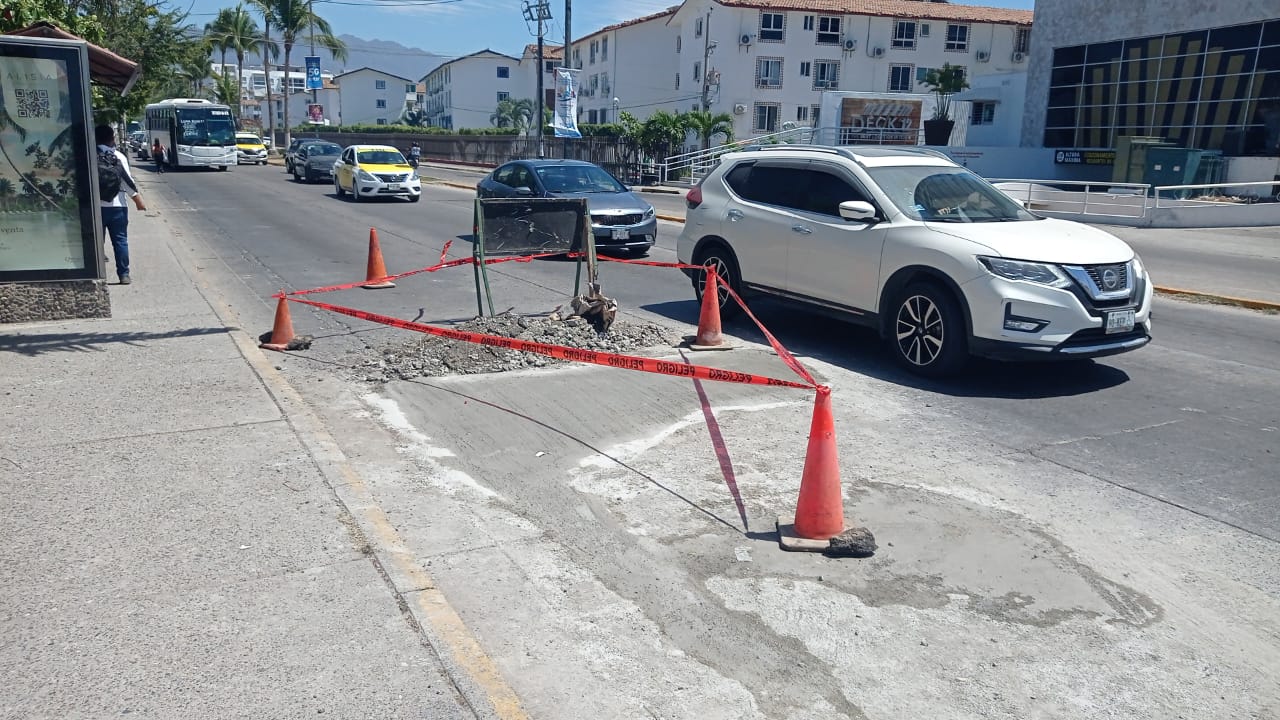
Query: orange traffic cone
<point x="708" y="337"/>
<point x="376" y="275"/>
<point x="282" y="333"/>
<point x="820" y="508"/>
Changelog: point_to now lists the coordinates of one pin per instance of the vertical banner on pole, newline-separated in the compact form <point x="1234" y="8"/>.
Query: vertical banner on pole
<point x="565" y="119"/>
<point x="314" y="81"/>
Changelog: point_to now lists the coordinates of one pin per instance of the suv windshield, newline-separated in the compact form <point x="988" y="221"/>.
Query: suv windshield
<point x="380" y="157"/>
<point x="946" y="194"/>
<point x="578" y="179"/>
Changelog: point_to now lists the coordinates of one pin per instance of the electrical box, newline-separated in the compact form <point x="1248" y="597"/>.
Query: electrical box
<point x="1131" y="157"/>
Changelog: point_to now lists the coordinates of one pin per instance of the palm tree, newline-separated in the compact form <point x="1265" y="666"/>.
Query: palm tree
<point x="244" y="37"/>
<point x="297" y="21"/>
<point x="502" y="116"/>
<point x="226" y="90"/>
<point x="516" y="114"/>
<point x="413" y="116"/>
<point x="268" y="48"/>
<point x="660" y="132"/>
<point x="6" y="191"/>
<point x="706" y="126"/>
<point x="218" y="31"/>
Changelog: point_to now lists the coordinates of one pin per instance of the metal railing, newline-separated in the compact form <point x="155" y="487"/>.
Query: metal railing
<point x="1215" y="198"/>
<point x="700" y="162"/>
<point x="1047" y="195"/>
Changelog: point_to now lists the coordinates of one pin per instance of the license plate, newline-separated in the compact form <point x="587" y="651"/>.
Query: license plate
<point x="621" y="234"/>
<point x="1119" y="322"/>
<point x="393" y="186"/>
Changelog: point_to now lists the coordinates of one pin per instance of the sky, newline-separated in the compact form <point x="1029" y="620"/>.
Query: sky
<point x="451" y="28"/>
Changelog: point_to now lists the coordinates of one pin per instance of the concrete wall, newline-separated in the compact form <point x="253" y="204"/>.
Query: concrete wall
<point x="57" y="300"/>
<point x="1063" y="23"/>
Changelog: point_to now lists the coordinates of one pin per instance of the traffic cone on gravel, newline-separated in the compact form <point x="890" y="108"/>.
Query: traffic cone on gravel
<point x="282" y="332"/>
<point x="820" y="509"/>
<point x="376" y="276"/>
<point x="708" y="337"/>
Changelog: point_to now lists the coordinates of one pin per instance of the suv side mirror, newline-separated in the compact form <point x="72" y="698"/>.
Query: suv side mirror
<point x="858" y="211"/>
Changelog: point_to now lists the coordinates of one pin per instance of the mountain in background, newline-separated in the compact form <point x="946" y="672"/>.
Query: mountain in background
<point x="384" y="55"/>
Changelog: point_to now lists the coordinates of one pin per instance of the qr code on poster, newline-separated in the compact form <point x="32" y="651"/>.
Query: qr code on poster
<point x="32" y="103"/>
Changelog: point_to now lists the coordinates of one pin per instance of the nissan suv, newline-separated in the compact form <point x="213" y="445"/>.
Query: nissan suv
<point x="902" y="239"/>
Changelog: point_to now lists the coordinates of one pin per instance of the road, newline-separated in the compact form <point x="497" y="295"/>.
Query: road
<point x="591" y="489"/>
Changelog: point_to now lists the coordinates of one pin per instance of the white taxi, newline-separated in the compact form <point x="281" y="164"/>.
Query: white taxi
<point x="249" y="149"/>
<point x="373" y="171"/>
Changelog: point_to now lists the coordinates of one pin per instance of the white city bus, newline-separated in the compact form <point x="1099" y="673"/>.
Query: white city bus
<point x="196" y="132"/>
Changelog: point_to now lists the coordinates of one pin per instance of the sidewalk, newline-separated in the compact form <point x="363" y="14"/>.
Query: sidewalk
<point x="175" y="547"/>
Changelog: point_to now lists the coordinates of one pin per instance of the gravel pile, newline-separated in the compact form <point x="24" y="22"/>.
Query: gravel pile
<point x="431" y="356"/>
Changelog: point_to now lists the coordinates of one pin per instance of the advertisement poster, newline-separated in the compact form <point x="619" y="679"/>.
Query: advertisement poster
<point x="565" y="119"/>
<point x="880" y="121"/>
<point x="314" y="80"/>
<point x="46" y="203"/>
<point x="315" y="113"/>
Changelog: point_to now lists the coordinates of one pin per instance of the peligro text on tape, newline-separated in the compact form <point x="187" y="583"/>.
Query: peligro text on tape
<point x="623" y="362"/>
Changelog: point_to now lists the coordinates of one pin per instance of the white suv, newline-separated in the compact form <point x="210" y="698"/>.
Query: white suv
<point x="902" y="239"/>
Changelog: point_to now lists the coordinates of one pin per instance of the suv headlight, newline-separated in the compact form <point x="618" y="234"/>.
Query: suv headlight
<point x="366" y="176"/>
<point x="1139" y="270"/>
<point x="1032" y="272"/>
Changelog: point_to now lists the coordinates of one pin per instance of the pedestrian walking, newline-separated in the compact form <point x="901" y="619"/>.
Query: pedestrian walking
<point x="115" y="189"/>
<point x="159" y="155"/>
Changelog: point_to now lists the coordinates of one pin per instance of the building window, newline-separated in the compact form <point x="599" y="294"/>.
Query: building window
<point x="1023" y="40"/>
<point x="592" y="117"/>
<point x="813" y="114"/>
<point x="826" y="75"/>
<point x="677" y="43"/>
<point x="772" y="27"/>
<point x="504" y="71"/>
<point x="828" y="31"/>
<point x="697" y="71"/>
<point x="808" y="22"/>
<point x="379" y="84"/>
<point x="982" y="113"/>
<point x="904" y="34"/>
<point x="380" y="104"/>
<point x="677" y="81"/>
<point x="766" y="117"/>
<point x="604" y="49"/>
<point x="957" y="38"/>
<point x="804" y="68"/>
<point x="410" y="88"/>
<point x="769" y="72"/>
<point x="604" y="84"/>
<point x="504" y="96"/>
<point x="382" y="121"/>
<point x="697" y="28"/>
<point x="595" y="47"/>
<point x="551" y="66"/>
<point x="802" y="113"/>
<point x="900" y="78"/>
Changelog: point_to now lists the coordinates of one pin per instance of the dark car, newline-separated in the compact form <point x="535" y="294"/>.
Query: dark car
<point x="314" y="161"/>
<point x="291" y="153"/>
<point x="620" y="219"/>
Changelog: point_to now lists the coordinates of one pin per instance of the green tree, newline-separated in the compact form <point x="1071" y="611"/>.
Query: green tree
<point x="243" y="37"/>
<point x="6" y="192"/>
<point x="943" y="83"/>
<point x="413" y="116"/>
<point x="706" y="126"/>
<point x="226" y="90"/>
<point x="516" y="114"/>
<point x="660" y="132"/>
<point x="296" y="21"/>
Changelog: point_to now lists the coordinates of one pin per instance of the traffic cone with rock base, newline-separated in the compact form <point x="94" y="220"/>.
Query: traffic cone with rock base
<point x="376" y="274"/>
<point x="820" y="507"/>
<point x="708" y="337"/>
<point x="282" y="332"/>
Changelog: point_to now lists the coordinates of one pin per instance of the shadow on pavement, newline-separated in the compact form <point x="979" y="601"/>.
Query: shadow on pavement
<point x="860" y="349"/>
<point x="34" y="345"/>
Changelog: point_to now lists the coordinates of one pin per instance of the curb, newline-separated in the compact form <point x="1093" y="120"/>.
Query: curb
<point x="1220" y="299"/>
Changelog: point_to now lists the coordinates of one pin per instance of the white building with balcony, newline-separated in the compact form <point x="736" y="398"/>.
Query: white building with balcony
<point x="369" y="97"/>
<point x="635" y="62"/>
<point x="464" y="93"/>
<point x="766" y="62"/>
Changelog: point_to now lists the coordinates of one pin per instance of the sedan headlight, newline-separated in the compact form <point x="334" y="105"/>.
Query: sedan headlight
<point x="1033" y="272"/>
<point x="648" y="214"/>
<point x="366" y="176"/>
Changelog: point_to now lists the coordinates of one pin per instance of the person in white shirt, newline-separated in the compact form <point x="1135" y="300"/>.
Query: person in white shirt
<point x="115" y="210"/>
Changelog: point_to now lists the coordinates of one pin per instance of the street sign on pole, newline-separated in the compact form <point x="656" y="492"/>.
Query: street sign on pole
<point x="314" y="81"/>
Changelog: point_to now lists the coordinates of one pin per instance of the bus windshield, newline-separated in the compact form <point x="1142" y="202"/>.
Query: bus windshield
<point x="205" y="127"/>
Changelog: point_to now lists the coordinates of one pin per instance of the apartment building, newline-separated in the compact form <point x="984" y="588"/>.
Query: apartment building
<point x="463" y="93"/>
<point x="371" y="97"/>
<point x="628" y="66"/>
<point x="766" y="62"/>
<point x="552" y="58"/>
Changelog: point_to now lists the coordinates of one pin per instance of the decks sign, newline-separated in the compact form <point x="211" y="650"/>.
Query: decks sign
<point x="878" y="120"/>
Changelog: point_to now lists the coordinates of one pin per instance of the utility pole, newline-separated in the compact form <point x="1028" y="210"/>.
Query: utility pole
<point x="706" y="57"/>
<point x="539" y="10"/>
<point x="315" y="99"/>
<point x="568" y="61"/>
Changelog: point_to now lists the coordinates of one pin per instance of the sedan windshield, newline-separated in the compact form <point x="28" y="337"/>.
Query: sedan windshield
<point x="381" y="157"/>
<point x="946" y="194"/>
<point x="578" y="179"/>
<point x="325" y="149"/>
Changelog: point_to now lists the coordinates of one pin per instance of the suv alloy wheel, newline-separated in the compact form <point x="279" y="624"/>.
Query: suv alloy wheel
<point x="721" y="258"/>
<point x="928" y="335"/>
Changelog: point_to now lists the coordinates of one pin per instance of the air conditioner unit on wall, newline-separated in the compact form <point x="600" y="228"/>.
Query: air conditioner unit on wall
<point x="849" y="44"/>
<point x="745" y="39"/>
<point x="983" y="56"/>
<point x="877" y="52"/>
<point x="1019" y="57"/>
<point x="739" y="109"/>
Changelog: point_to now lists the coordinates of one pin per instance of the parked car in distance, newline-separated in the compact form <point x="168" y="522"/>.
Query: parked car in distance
<point x="904" y="240"/>
<point x="314" y="161"/>
<point x="292" y="151"/>
<point x="138" y="143"/>
<point x="249" y="149"/>
<point x="620" y="219"/>
<point x="373" y="171"/>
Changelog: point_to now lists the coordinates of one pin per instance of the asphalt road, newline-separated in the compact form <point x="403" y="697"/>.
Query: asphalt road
<point x="1192" y="419"/>
<point x="1098" y="539"/>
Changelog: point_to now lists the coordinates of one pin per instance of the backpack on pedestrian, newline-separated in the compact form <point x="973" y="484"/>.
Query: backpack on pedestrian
<point x="111" y="177"/>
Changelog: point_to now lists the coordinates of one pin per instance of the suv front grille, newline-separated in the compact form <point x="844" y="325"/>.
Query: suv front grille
<point x="1115" y="275"/>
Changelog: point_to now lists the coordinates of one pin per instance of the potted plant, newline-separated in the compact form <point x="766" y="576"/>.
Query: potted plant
<point x="943" y="83"/>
